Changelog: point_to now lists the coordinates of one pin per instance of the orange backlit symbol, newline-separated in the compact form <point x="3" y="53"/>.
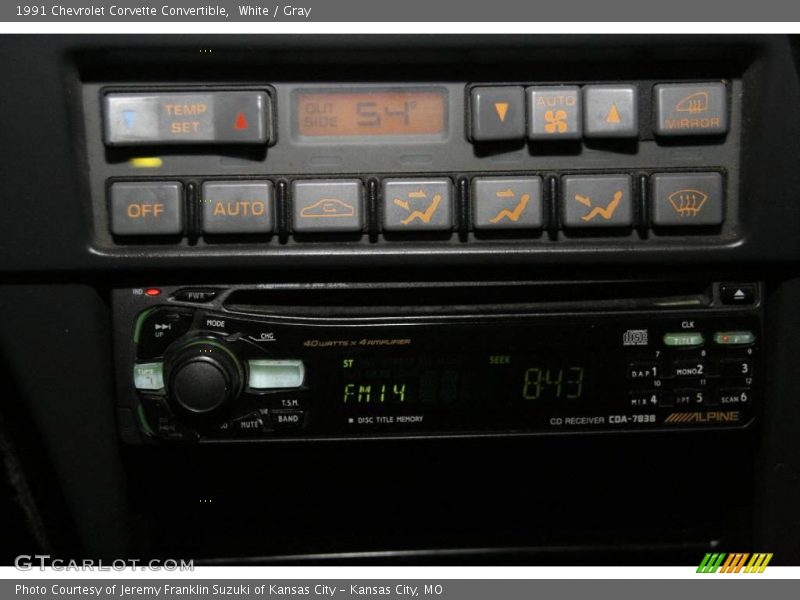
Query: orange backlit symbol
<point x="502" y="110"/>
<point x="515" y="213"/>
<point x="556" y="121"/>
<point x="328" y="208"/>
<point x="613" y="115"/>
<point x="687" y="203"/>
<point x="693" y="103"/>
<point x="605" y="213"/>
<point x="423" y="215"/>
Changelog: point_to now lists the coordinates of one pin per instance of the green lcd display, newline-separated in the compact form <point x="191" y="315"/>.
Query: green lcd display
<point x="444" y="380"/>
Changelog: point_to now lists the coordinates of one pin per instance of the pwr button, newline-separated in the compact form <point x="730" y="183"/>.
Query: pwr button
<point x="152" y="208"/>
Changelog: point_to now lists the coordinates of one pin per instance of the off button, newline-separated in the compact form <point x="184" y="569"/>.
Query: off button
<point x="152" y="208"/>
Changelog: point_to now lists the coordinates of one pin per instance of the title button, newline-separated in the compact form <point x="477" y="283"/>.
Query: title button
<point x="684" y="339"/>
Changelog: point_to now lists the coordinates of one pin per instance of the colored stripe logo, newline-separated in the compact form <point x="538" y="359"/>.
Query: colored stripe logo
<point x="736" y="562"/>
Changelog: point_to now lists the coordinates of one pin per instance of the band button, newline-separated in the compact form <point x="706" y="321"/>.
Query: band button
<point x="287" y="420"/>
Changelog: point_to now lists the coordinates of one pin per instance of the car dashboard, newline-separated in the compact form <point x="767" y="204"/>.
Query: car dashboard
<point x="300" y="299"/>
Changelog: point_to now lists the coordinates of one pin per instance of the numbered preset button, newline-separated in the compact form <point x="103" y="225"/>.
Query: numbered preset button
<point x="736" y="367"/>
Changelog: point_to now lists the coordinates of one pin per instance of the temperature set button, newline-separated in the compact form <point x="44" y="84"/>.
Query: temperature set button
<point x="187" y="118"/>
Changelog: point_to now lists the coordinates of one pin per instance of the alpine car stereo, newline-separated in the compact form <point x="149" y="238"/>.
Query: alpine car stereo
<point x="279" y="361"/>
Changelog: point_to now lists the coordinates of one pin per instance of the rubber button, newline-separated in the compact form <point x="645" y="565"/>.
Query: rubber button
<point x="147" y="208"/>
<point x="498" y="113"/>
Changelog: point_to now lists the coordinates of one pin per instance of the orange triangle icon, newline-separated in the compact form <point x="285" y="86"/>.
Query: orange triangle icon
<point x="502" y="109"/>
<point x="613" y="115"/>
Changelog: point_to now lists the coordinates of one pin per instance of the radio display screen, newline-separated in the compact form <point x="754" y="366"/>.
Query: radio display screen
<point x="402" y="381"/>
<point x="395" y="112"/>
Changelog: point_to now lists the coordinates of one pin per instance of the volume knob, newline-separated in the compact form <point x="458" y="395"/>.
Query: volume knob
<point x="202" y="376"/>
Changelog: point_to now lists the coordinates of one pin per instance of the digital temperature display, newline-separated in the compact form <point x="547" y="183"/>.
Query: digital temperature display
<point x="396" y="112"/>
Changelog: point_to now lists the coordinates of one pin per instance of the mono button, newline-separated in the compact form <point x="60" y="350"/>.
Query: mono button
<point x="689" y="368"/>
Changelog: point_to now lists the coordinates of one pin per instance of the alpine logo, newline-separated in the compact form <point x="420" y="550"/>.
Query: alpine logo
<point x="712" y="416"/>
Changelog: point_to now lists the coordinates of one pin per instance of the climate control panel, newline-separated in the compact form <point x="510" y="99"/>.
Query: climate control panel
<point x="279" y="167"/>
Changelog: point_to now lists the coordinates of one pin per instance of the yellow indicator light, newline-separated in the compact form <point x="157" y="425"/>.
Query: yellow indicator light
<point x="146" y="162"/>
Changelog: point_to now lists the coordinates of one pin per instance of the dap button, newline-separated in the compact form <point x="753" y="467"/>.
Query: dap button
<point x="152" y="208"/>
